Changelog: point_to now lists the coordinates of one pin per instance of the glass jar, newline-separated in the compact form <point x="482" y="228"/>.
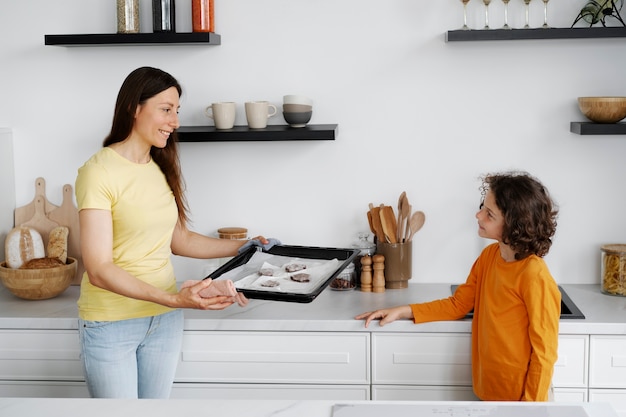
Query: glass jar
<point x="613" y="269"/>
<point x="163" y="16"/>
<point x="202" y="19"/>
<point x="367" y="248"/>
<point x="346" y="280"/>
<point x="127" y="16"/>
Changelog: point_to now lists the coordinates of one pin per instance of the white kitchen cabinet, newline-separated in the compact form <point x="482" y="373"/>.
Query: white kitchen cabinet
<point x="43" y="389"/>
<point x="607" y="370"/>
<point x="315" y="365"/>
<point x="570" y="395"/>
<point x="40" y="355"/>
<point x="421" y="393"/>
<point x="417" y="366"/>
<point x="570" y="369"/>
<point x="272" y="391"/>
<point x="616" y="397"/>
<point x="608" y="362"/>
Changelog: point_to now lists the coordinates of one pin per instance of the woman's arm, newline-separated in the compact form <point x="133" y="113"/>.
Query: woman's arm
<point x="96" y="241"/>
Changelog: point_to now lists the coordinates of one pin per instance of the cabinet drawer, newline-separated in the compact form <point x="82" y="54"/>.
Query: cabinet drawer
<point x="422" y="393"/>
<point x="40" y="355"/>
<point x="271" y="392"/>
<point x="275" y="357"/>
<point x="615" y="397"/>
<point x="421" y="359"/>
<point x="570" y="369"/>
<point x="607" y="362"/>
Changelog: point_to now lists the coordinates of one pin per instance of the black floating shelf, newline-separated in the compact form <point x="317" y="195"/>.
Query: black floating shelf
<point x="590" y="128"/>
<point x="538" y="33"/>
<point x="245" y="134"/>
<point x="108" y="39"/>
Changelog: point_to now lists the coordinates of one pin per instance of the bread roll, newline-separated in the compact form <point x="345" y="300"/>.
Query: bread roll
<point x="57" y="243"/>
<point x="23" y="244"/>
<point x="42" y="263"/>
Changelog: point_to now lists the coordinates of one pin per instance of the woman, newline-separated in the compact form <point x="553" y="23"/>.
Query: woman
<point x="516" y="302"/>
<point x="133" y="217"/>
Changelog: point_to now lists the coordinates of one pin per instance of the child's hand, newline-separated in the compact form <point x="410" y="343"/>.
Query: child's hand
<point x="386" y="315"/>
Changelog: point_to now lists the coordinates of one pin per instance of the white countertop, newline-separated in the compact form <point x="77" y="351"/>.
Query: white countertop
<point x="332" y="311"/>
<point x="76" y="407"/>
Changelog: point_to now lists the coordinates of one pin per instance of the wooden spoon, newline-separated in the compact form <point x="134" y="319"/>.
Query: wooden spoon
<point x="417" y="221"/>
<point x="407" y="230"/>
<point x="406" y="212"/>
<point x="388" y="221"/>
<point x="400" y="218"/>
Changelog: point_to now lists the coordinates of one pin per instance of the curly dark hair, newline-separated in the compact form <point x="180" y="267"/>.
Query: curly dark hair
<point x="528" y="210"/>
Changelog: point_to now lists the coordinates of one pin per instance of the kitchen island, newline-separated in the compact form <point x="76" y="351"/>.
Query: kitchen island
<point x="16" y="407"/>
<point x="313" y="351"/>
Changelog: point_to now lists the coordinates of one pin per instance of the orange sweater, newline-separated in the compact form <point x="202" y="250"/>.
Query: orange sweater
<point x="515" y="327"/>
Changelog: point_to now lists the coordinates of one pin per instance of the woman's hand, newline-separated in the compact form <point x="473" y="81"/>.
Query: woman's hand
<point x="386" y="315"/>
<point x="189" y="297"/>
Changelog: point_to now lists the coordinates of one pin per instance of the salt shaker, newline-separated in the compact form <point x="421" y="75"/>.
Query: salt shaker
<point x="366" y="273"/>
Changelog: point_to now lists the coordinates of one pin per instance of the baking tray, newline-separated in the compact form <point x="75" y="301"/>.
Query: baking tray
<point x="344" y="256"/>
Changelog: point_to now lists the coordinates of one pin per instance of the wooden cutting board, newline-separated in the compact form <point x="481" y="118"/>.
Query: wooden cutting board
<point x="27" y="212"/>
<point x="67" y="215"/>
<point x="40" y="222"/>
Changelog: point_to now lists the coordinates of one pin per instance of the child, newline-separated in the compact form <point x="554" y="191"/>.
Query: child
<point x="516" y="302"/>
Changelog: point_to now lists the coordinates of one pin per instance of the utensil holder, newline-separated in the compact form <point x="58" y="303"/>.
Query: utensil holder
<point x="398" y="263"/>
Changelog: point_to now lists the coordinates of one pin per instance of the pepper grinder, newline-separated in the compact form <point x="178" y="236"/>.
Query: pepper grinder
<point x="378" y="280"/>
<point x="366" y="273"/>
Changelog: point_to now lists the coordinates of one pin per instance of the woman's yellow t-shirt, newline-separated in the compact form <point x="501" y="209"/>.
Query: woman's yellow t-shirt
<point x="144" y="215"/>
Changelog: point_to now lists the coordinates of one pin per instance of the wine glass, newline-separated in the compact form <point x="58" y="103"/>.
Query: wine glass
<point x="486" y="3"/>
<point x="465" y="27"/>
<point x="506" y="14"/>
<point x="545" y="14"/>
<point x="527" y="3"/>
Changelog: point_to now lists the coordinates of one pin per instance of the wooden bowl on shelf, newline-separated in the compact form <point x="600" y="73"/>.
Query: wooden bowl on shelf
<point x="38" y="284"/>
<point x="603" y="109"/>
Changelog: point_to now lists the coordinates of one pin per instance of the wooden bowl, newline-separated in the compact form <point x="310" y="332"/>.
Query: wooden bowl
<point x="603" y="109"/>
<point x="38" y="284"/>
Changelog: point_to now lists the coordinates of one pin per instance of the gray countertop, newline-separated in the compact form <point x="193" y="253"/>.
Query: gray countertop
<point x="331" y="311"/>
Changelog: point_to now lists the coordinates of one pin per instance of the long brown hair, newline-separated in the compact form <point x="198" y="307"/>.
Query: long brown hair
<point x="139" y="86"/>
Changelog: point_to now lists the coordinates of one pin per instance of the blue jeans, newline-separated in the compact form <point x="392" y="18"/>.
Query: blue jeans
<point x="133" y="358"/>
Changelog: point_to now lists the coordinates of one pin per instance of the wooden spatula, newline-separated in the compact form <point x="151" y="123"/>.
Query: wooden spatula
<point x="388" y="220"/>
<point x="377" y="224"/>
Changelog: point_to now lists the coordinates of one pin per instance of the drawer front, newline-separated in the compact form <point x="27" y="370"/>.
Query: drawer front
<point x="421" y="359"/>
<point x="271" y="392"/>
<point x="422" y="393"/>
<point x="40" y="355"/>
<point x="615" y="397"/>
<point x="570" y="395"/>
<point x="607" y="362"/>
<point x="43" y="389"/>
<point x="570" y="369"/>
<point x="275" y="357"/>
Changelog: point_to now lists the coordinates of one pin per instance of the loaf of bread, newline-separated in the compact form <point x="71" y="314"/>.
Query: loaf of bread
<point x="23" y="244"/>
<point x="57" y="243"/>
<point x="42" y="263"/>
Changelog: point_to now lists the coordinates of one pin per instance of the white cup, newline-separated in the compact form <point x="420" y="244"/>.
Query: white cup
<point x="223" y="114"/>
<point x="258" y="112"/>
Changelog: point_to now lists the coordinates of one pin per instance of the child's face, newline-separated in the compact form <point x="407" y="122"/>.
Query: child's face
<point x="490" y="219"/>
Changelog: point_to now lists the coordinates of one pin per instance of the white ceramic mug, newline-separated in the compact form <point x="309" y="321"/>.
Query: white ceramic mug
<point x="257" y="113"/>
<point x="223" y="114"/>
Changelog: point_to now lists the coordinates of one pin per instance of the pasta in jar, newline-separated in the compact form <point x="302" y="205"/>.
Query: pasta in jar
<point x="613" y="269"/>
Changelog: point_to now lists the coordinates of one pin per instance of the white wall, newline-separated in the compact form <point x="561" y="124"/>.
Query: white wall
<point x="414" y="113"/>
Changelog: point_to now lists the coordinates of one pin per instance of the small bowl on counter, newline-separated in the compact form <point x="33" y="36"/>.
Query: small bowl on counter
<point x="603" y="109"/>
